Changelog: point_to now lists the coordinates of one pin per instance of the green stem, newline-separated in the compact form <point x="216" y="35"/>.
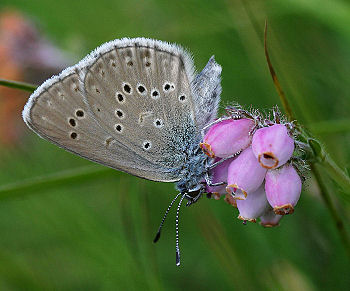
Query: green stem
<point x="321" y="156"/>
<point x="333" y="169"/>
<point x="52" y="180"/>
<point x="277" y="84"/>
<point x="336" y="172"/>
<point x="18" y="85"/>
<point x="332" y="209"/>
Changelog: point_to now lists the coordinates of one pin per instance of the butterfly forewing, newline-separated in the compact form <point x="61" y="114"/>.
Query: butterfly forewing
<point x="127" y="105"/>
<point x="57" y="112"/>
<point x="140" y="93"/>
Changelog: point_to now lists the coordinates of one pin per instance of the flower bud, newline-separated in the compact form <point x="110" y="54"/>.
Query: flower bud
<point x="270" y="219"/>
<point x="272" y="146"/>
<point x="227" y="137"/>
<point x="283" y="188"/>
<point x="218" y="175"/>
<point x="245" y="175"/>
<point x="254" y="206"/>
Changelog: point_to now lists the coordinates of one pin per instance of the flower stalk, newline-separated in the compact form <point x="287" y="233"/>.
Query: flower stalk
<point x="18" y="85"/>
<point x="320" y="156"/>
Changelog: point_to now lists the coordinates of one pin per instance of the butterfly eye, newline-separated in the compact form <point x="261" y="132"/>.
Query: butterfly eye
<point x="182" y="98"/>
<point x="168" y="87"/>
<point x="158" y="123"/>
<point x="155" y="94"/>
<point x="141" y="89"/>
<point x="147" y="145"/>
<point x="127" y="88"/>
<point x="73" y="135"/>
<point x="119" y="113"/>
<point x="79" y="113"/>
<point x="119" y="128"/>
<point x="120" y="97"/>
<point x="72" y="122"/>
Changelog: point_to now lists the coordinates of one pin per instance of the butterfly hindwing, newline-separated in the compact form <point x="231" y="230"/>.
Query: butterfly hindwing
<point x="207" y="90"/>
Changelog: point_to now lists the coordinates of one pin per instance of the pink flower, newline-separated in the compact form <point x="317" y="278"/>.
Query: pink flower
<point x="227" y="137"/>
<point x="245" y="175"/>
<point x="254" y="206"/>
<point x="270" y="219"/>
<point x="218" y="175"/>
<point x="272" y="146"/>
<point x="283" y="188"/>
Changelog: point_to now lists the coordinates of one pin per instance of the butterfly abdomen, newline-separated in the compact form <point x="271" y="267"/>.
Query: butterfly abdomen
<point x="193" y="170"/>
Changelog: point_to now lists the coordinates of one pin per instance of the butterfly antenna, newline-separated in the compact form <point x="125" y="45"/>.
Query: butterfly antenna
<point x="164" y="217"/>
<point x="177" y="231"/>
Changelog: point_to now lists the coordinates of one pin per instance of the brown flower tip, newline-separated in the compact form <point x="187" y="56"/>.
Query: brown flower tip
<point x="247" y="219"/>
<point x="216" y="195"/>
<point x="268" y="160"/>
<point x="269" y="224"/>
<point x="206" y="148"/>
<point x="284" y="209"/>
<point x="231" y="189"/>
<point x="230" y="200"/>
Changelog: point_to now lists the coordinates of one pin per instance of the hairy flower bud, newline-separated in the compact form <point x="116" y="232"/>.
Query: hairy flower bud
<point x="227" y="137"/>
<point x="245" y="175"/>
<point x="254" y="206"/>
<point x="283" y="188"/>
<point x="270" y="218"/>
<point x="272" y="146"/>
<point x="218" y="175"/>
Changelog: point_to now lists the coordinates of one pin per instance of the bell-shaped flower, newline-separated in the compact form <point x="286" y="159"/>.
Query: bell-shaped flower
<point x="283" y="188"/>
<point x="245" y="175"/>
<point x="219" y="175"/>
<point x="272" y="146"/>
<point x="254" y="206"/>
<point x="227" y="137"/>
<point x="270" y="218"/>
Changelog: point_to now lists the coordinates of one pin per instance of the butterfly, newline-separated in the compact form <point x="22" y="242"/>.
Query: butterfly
<point x="135" y="105"/>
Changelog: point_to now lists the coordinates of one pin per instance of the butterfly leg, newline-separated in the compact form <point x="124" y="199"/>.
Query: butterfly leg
<point x="213" y="123"/>
<point x="191" y="199"/>
<point x="209" y="182"/>
<point x="212" y="166"/>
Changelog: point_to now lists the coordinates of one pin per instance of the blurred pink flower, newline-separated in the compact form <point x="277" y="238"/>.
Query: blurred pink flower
<point x="25" y="55"/>
<point x="270" y="218"/>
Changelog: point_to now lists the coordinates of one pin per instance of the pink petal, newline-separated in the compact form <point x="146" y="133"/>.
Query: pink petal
<point x="227" y="137"/>
<point x="245" y="175"/>
<point x="272" y="146"/>
<point x="283" y="188"/>
<point x="254" y="206"/>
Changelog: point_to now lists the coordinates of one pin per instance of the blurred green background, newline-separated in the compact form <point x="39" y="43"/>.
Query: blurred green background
<point x="95" y="232"/>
